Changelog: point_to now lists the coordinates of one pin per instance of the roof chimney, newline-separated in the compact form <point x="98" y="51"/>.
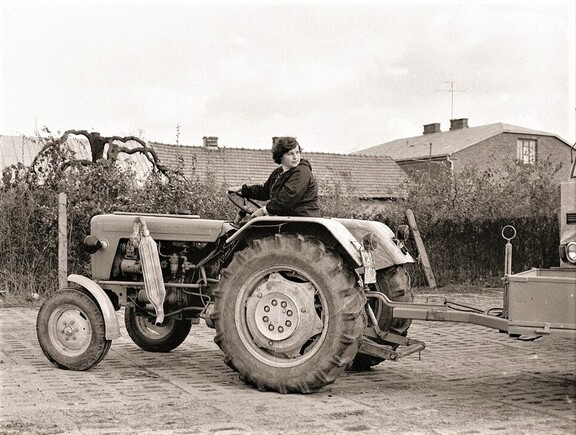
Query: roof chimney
<point x="432" y="128"/>
<point x="458" y="124"/>
<point x="210" y="141"/>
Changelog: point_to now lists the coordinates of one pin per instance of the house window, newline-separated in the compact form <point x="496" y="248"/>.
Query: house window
<point x="526" y="151"/>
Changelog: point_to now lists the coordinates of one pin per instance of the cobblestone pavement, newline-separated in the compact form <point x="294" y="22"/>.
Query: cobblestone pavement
<point x="469" y="380"/>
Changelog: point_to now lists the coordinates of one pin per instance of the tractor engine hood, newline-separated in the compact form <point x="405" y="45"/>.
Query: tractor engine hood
<point x="387" y="252"/>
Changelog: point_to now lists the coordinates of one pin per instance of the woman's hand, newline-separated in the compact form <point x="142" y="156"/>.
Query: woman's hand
<point x="235" y="189"/>
<point x="260" y="212"/>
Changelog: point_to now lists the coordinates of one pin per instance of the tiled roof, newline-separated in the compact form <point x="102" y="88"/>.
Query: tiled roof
<point x="359" y="175"/>
<point x="446" y="142"/>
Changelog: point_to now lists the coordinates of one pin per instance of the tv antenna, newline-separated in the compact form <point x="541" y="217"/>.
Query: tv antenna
<point x="451" y="90"/>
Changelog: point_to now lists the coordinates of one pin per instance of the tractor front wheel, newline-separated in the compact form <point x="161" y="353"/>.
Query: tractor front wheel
<point x="71" y="330"/>
<point x="288" y="314"/>
<point x="150" y="337"/>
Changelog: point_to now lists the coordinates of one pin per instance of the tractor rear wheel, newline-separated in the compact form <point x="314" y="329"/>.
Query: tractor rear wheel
<point x="289" y="314"/>
<point x="150" y="337"/>
<point x="71" y="330"/>
<point x="394" y="282"/>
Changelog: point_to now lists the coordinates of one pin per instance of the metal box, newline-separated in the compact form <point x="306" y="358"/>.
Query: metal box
<point x="541" y="300"/>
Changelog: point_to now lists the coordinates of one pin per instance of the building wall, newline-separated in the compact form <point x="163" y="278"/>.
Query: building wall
<point x="498" y="150"/>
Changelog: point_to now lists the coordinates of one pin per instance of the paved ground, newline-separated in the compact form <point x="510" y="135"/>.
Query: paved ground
<point x="469" y="380"/>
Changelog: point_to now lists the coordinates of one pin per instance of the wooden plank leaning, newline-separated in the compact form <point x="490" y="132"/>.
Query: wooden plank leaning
<point x="423" y="256"/>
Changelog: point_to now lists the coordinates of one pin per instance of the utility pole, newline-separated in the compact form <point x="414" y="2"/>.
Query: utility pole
<point x="451" y="90"/>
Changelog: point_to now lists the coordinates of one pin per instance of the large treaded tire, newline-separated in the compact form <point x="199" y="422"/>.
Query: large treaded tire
<point x="338" y="311"/>
<point x="71" y="331"/>
<point x="395" y="283"/>
<point x="156" y="338"/>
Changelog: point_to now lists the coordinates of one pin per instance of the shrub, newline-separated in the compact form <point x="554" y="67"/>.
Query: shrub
<point x="516" y="190"/>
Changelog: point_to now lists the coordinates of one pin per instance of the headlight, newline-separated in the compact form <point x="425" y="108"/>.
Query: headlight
<point x="93" y="245"/>
<point x="571" y="252"/>
<point x="369" y="242"/>
<point x="403" y="233"/>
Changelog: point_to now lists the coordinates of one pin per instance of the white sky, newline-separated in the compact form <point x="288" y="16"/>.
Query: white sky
<point x="340" y="76"/>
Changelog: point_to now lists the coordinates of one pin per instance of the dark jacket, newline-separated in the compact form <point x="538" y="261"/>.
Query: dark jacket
<point x="291" y="193"/>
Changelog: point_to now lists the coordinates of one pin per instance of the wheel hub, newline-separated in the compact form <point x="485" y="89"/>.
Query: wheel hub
<point x="281" y="317"/>
<point x="277" y="316"/>
<point x="71" y="332"/>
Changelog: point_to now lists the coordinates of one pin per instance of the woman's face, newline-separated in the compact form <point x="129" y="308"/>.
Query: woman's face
<point x="291" y="159"/>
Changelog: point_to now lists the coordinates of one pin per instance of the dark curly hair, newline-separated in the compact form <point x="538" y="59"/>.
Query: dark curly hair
<point x="282" y="145"/>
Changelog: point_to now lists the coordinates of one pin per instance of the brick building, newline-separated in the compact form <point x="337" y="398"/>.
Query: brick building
<point x="486" y="146"/>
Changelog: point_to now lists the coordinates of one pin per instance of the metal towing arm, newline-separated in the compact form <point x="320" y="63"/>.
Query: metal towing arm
<point x="529" y="312"/>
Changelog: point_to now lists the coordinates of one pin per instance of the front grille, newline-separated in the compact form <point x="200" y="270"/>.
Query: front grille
<point x="570" y="218"/>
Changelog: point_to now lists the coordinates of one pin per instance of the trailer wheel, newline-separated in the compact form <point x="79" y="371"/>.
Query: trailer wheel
<point x="71" y="331"/>
<point x="395" y="283"/>
<point x="288" y="314"/>
<point x="150" y="337"/>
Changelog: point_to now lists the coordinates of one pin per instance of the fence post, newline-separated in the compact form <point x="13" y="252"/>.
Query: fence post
<point x="62" y="241"/>
<point x="421" y="250"/>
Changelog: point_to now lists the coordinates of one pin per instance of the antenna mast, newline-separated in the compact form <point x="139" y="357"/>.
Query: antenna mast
<point x="451" y="90"/>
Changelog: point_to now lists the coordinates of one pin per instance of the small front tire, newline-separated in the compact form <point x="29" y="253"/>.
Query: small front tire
<point x="71" y="330"/>
<point x="150" y="337"/>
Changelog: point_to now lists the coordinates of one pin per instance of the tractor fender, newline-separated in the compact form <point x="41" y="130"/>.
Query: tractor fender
<point x="112" y="327"/>
<point x="348" y="233"/>
<point x="304" y="225"/>
<point x="387" y="252"/>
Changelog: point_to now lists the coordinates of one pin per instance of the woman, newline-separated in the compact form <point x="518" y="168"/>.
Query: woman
<point x="291" y="188"/>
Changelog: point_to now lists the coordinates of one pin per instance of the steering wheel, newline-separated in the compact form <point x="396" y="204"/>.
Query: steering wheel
<point x="246" y="205"/>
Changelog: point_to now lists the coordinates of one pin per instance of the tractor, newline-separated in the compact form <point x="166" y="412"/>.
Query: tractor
<point x="290" y="298"/>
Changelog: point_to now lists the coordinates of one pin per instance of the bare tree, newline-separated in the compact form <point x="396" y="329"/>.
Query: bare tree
<point x="98" y="145"/>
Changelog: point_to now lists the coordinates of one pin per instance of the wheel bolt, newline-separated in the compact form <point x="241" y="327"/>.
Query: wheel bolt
<point x="266" y="308"/>
<point x="271" y="327"/>
<point x="289" y="313"/>
<point x="284" y="304"/>
<point x="280" y="329"/>
<point x="288" y="323"/>
<point x="265" y="319"/>
<point x="274" y="302"/>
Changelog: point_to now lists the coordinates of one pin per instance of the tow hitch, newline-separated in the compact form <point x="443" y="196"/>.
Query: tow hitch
<point x="385" y="345"/>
